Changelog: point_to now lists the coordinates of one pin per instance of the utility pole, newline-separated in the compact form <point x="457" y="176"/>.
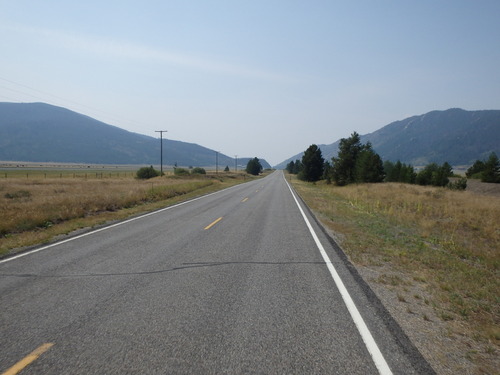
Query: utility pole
<point x="216" y="162"/>
<point x="236" y="163"/>
<point x="161" y="149"/>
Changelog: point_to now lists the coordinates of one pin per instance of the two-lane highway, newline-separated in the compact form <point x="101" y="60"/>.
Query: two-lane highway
<point x="239" y="281"/>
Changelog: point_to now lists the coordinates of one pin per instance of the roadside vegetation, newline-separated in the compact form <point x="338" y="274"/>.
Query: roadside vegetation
<point x="36" y="209"/>
<point x="444" y="243"/>
<point x="435" y="248"/>
<point x="359" y="163"/>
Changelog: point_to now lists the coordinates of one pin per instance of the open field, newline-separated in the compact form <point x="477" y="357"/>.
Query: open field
<point x="37" y="208"/>
<point x="432" y="256"/>
<point x="30" y="170"/>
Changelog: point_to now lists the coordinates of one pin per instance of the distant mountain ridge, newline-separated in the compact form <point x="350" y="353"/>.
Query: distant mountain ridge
<point x="456" y="136"/>
<point x="40" y="132"/>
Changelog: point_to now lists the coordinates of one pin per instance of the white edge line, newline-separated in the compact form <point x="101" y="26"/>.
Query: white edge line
<point x="110" y="226"/>
<point x="371" y="345"/>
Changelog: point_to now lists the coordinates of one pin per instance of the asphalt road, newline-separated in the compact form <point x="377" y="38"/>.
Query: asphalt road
<point x="231" y="283"/>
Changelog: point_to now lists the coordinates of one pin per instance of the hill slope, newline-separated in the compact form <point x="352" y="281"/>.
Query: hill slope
<point x="44" y="133"/>
<point x="457" y="136"/>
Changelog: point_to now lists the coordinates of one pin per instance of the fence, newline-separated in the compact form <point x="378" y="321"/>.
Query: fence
<point x="65" y="174"/>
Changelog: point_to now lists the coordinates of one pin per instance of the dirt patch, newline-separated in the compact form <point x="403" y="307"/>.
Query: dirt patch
<point x="478" y="187"/>
<point x="407" y="301"/>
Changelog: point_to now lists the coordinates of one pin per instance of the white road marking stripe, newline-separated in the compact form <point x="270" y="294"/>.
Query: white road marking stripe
<point x="110" y="226"/>
<point x="371" y="345"/>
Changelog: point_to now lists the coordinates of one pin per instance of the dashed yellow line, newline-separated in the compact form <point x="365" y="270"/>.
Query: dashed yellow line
<point x="33" y="356"/>
<point x="213" y="223"/>
<point x="244" y="200"/>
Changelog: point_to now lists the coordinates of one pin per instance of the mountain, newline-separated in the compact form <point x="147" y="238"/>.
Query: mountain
<point x="457" y="136"/>
<point x="40" y="132"/>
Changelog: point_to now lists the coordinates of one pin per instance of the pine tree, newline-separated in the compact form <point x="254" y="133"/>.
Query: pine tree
<point x="434" y="175"/>
<point x="440" y="177"/>
<point x="399" y="172"/>
<point x="390" y="171"/>
<point x="369" y="166"/>
<point x="344" y="166"/>
<point x="475" y="170"/>
<point x="327" y="172"/>
<point x="297" y="167"/>
<point x="424" y="177"/>
<point x="491" y="172"/>
<point x="407" y="174"/>
<point x="312" y="164"/>
<point x="254" y="167"/>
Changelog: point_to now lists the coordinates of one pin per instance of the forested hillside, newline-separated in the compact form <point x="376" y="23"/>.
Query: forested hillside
<point x="455" y="136"/>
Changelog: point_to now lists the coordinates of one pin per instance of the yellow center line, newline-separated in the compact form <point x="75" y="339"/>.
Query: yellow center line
<point x="33" y="356"/>
<point x="212" y="224"/>
<point x="244" y="200"/>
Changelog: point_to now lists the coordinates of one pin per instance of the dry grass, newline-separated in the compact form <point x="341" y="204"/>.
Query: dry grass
<point x="35" y="210"/>
<point x="448" y="241"/>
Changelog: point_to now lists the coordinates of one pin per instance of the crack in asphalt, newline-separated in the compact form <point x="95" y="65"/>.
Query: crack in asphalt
<point x="152" y="272"/>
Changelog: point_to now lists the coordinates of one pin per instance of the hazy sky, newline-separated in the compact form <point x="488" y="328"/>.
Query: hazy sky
<point x="252" y="78"/>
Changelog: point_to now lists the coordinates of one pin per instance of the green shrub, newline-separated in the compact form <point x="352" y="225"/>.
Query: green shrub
<point x="460" y="184"/>
<point x="18" y="194"/>
<point x="147" y="172"/>
<point x="181" y="172"/>
<point x="198" y="170"/>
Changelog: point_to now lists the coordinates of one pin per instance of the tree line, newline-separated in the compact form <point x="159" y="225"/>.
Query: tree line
<point x="487" y="170"/>
<point x="359" y="163"/>
<point x="254" y="167"/>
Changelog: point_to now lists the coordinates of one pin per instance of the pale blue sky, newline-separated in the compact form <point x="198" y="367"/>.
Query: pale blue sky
<point x="252" y="78"/>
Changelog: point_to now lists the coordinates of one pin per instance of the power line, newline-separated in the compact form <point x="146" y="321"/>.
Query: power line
<point x="20" y="92"/>
<point x="112" y="116"/>
<point x="9" y="98"/>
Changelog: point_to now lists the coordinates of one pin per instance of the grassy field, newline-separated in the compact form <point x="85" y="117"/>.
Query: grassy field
<point x="36" y="206"/>
<point x="433" y="246"/>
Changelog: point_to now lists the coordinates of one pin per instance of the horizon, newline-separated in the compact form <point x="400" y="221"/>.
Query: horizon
<point x="241" y="157"/>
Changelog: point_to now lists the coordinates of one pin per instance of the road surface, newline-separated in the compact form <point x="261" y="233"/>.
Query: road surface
<point x="242" y="281"/>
